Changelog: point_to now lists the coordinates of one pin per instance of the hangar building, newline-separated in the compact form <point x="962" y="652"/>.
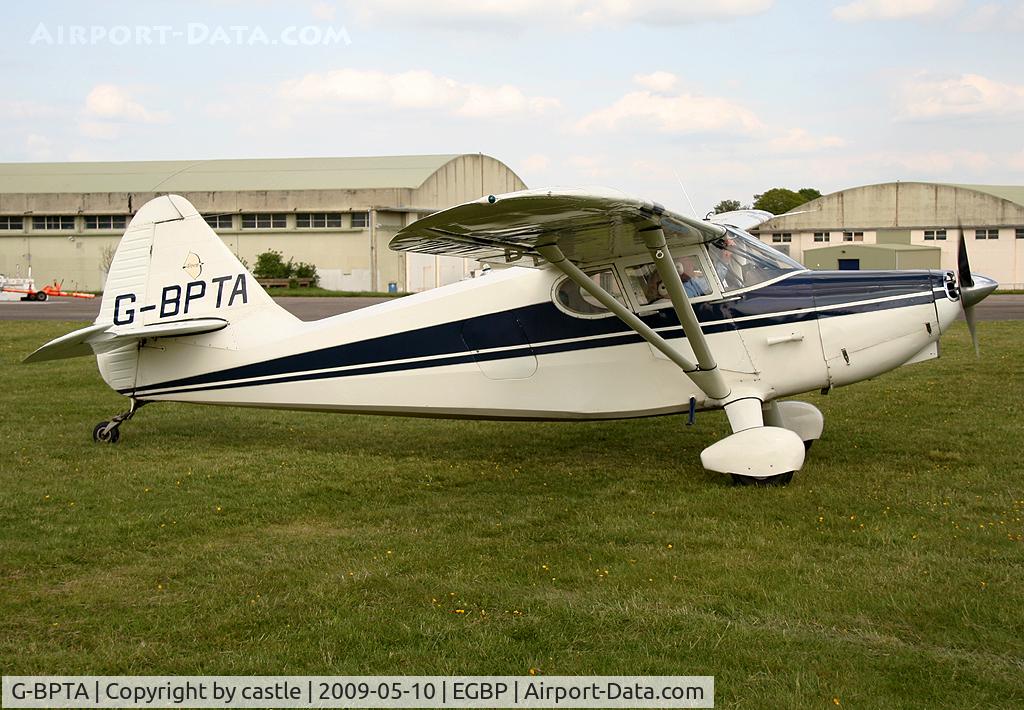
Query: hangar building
<point x="908" y="225"/>
<point x="64" y="219"/>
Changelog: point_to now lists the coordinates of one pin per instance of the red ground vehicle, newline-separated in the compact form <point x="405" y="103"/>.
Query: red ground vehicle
<point x="27" y="287"/>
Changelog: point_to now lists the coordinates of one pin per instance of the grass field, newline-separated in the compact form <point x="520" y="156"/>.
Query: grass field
<point x="220" y="541"/>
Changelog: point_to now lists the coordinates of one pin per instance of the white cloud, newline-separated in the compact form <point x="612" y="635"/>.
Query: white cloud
<point x="38" y="147"/>
<point x="483" y="101"/>
<point x="797" y="140"/>
<point x="99" y="130"/>
<point x="863" y="10"/>
<point x="673" y="12"/>
<point x="966" y="95"/>
<point x="590" y="166"/>
<point x="524" y="13"/>
<point x="681" y="114"/>
<point x="418" y="89"/>
<point x="538" y="162"/>
<point x="660" y="81"/>
<point x="994" y="16"/>
<point x="20" y="109"/>
<point x="324" y="11"/>
<point x="939" y="162"/>
<point x="107" y="101"/>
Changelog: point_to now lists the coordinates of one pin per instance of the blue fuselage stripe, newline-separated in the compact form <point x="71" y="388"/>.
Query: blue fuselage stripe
<point x="542" y="329"/>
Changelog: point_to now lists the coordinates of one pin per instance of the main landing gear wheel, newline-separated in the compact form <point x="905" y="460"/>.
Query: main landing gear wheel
<point x="102" y="435"/>
<point x="781" y="479"/>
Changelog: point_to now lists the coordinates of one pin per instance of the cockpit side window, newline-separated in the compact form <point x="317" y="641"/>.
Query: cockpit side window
<point x="648" y="288"/>
<point x="577" y="301"/>
<point x="741" y="261"/>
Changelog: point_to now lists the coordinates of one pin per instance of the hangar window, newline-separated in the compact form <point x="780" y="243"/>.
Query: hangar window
<point x="18" y="223"/>
<point x="823" y="236"/>
<point x="105" y="221"/>
<point x="220" y="221"/>
<point x="578" y="302"/>
<point x="53" y="222"/>
<point x="277" y="220"/>
<point x="986" y="234"/>
<point x="931" y="235"/>
<point x="853" y="236"/>
<point x="782" y="237"/>
<point x="1019" y="232"/>
<point x="318" y="220"/>
<point x="360" y="220"/>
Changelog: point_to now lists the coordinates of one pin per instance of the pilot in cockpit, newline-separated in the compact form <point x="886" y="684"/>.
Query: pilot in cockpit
<point x="728" y="266"/>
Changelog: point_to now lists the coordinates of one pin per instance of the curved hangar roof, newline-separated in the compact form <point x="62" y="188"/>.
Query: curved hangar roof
<point x="907" y="205"/>
<point x="396" y="171"/>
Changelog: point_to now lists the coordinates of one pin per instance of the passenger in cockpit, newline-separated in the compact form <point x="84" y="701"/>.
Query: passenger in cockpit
<point x="694" y="283"/>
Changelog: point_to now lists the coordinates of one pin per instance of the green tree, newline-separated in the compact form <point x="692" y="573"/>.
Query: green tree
<point x="782" y="199"/>
<point x="727" y="206"/>
<point x="271" y="265"/>
<point x="303" y="270"/>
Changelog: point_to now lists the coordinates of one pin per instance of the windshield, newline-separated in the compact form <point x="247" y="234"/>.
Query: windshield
<point x="742" y="261"/>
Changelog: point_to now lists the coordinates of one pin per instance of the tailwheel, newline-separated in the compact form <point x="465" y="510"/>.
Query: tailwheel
<point x="104" y="433"/>
<point x="110" y="432"/>
<point x="781" y="479"/>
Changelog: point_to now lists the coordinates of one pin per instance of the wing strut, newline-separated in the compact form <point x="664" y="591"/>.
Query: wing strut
<point x="655" y="241"/>
<point x="710" y="382"/>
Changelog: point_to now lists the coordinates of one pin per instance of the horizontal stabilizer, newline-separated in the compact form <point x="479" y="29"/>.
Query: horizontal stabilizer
<point x="81" y="342"/>
<point x="73" y="344"/>
<point x="170" y="329"/>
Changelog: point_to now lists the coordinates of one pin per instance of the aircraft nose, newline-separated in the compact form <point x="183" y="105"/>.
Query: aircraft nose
<point x="976" y="292"/>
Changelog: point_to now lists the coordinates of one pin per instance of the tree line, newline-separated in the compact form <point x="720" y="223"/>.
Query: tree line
<point x="777" y="200"/>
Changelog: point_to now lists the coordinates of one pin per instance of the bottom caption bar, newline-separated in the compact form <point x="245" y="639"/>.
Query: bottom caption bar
<point x="358" y="691"/>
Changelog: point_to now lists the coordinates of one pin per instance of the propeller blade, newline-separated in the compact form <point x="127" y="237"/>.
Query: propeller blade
<point x="963" y="264"/>
<point x="966" y="281"/>
<point x="972" y="326"/>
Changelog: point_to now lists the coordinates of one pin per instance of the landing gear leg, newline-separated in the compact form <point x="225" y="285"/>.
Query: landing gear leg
<point x="110" y="432"/>
<point x="803" y="418"/>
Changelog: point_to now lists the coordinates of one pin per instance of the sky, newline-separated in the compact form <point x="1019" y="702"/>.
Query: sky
<point x="686" y="102"/>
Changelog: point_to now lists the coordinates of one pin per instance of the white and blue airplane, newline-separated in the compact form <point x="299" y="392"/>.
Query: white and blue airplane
<point x="597" y="306"/>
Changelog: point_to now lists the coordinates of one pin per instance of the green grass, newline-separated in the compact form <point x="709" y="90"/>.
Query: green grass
<point x="226" y="541"/>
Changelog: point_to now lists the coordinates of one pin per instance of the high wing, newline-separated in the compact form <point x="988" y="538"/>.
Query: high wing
<point x="588" y="227"/>
<point x="570" y="229"/>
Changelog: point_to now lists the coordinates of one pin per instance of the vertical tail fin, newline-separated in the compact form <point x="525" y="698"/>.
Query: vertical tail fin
<point x="171" y="266"/>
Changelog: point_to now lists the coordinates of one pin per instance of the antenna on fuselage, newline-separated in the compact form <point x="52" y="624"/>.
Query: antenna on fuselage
<point x="692" y="210"/>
